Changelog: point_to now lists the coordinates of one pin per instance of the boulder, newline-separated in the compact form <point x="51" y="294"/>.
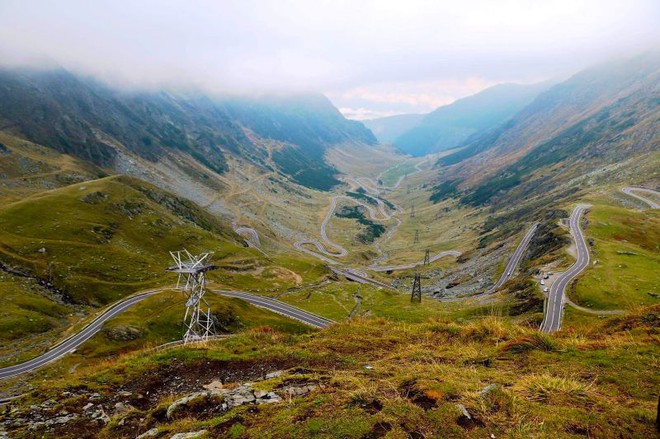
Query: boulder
<point x="123" y="333"/>
<point x="275" y="374"/>
<point x="195" y="399"/>
<point x="149" y="433"/>
<point x="190" y="435"/>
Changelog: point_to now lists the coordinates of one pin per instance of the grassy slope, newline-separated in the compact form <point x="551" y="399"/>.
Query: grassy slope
<point x="597" y="382"/>
<point x="628" y="254"/>
<point x="392" y="175"/>
<point x="102" y="239"/>
<point x="96" y="251"/>
<point x="27" y="168"/>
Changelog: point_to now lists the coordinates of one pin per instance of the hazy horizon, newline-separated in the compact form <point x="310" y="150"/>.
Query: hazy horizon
<point x="371" y="58"/>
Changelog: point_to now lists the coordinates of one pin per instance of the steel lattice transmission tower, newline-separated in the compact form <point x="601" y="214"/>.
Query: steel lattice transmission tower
<point x="416" y="236"/>
<point x="197" y="319"/>
<point x="416" y="295"/>
<point x="427" y="257"/>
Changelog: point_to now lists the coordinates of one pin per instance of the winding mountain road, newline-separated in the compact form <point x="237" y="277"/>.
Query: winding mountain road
<point x="514" y="260"/>
<point x="630" y="191"/>
<point x="360" y="277"/>
<point x="341" y="251"/>
<point x="556" y="297"/>
<point x="372" y="188"/>
<point x="89" y="330"/>
<point x="509" y="270"/>
<point x="253" y="240"/>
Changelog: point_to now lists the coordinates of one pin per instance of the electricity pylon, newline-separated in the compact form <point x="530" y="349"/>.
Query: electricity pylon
<point x="427" y="257"/>
<point x="412" y="211"/>
<point x="416" y="241"/>
<point x="197" y="319"/>
<point x="416" y="295"/>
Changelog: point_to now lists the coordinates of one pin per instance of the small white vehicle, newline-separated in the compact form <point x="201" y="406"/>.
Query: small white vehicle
<point x="546" y="290"/>
<point x="508" y="273"/>
<point x="542" y="283"/>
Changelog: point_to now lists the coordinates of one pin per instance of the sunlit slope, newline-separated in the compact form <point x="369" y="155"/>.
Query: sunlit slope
<point x="99" y="240"/>
<point x="27" y="168"/>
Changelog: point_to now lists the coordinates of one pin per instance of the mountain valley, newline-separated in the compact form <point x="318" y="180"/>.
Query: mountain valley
<point x="540" y="304"/>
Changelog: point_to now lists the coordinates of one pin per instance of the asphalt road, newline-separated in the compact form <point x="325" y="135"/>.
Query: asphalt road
<point x="629" y="191"/>
<point x="77" y="339"/>
<point x="360" y="277"/>
<point x="512" y="265"/>
<point x="280" y="308"/>
<point x="253" y="241"/>
<point x="87" y="332"/>
<point x="555" y="306"/>
<point x="374" y="216"/>
<point x="509" y="270"/>
<point x="341" y="251"/>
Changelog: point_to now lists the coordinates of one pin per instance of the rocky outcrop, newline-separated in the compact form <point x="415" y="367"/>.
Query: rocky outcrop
<point x="227" y="399"/>
<point x="131" y="413"/>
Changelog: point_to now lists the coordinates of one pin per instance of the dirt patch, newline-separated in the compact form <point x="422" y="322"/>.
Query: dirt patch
<point x="276" y="274"/>
<point x="469" y="423"/>
<point x="180" y="377"/>
<point x="380" y="429"/>
<point x="286" y="275"/>
<point x="418" y="397"/>
<point x="577" y="430"/>
<point x="371" y="407"/>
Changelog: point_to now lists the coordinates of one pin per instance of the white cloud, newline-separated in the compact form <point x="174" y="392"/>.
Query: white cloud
<point x="390" y="98"/>
<point x="323" y="45"/>
<point x="363" y="113"/>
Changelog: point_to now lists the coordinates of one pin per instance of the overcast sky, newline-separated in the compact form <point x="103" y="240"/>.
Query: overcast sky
<point x="372" y="58"/>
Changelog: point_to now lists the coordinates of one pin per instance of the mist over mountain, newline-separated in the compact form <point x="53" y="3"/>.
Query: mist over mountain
<point x="388" y="129"/>
<point x="449" y="126"/>
<point x="602" y="115"/>
<point x="89" y="120"/>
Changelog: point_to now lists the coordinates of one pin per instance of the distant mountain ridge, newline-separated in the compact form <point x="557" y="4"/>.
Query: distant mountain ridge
<point x="450" y="125"/>
<point x="77" y="116"/>
<point x="603" y="116"/>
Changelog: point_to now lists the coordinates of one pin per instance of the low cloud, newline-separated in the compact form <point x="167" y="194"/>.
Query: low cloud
<point x="364" y="53"/>
<point x="391" y="98"/>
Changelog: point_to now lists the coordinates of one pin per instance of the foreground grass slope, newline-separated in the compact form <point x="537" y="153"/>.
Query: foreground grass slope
<point x="512" y="380"/>
<point x="65" y="251"/>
